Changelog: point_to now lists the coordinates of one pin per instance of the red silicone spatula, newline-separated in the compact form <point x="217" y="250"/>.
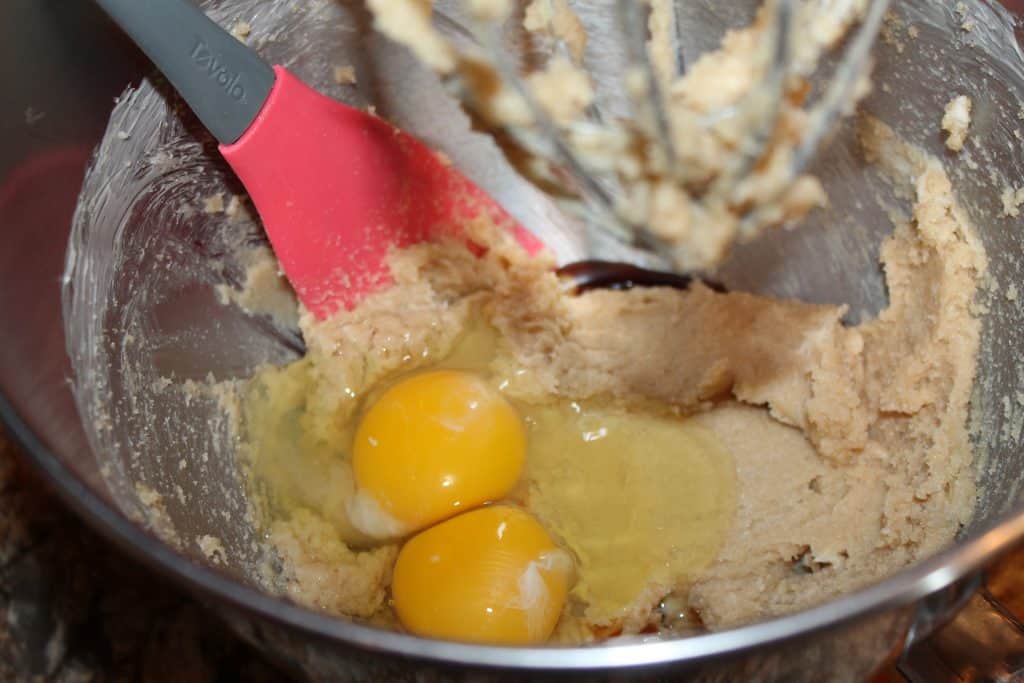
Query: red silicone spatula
<point x="336" y="188"/>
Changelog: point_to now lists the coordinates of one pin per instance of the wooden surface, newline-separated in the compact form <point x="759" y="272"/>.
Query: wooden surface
<point x="72" y="608"/>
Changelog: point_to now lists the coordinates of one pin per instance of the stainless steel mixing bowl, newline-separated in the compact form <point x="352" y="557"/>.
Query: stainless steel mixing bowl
<point x="154" y="469"/>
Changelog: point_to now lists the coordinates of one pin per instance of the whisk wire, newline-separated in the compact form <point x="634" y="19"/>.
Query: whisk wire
<point x="634" y="18"/>
<point x="586" y="180"/>
<point x="838" y="94"/>
<point x="773" y="91"/>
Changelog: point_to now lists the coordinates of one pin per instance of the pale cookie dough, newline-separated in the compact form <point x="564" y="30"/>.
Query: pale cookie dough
<point x="325" y="574"/>
<point x="265" y="291"/>
<point x="344" y="75"/>
<point x="1012" y="199"/>
<point x="956" y="119"/>
<point x="850" y="443"/>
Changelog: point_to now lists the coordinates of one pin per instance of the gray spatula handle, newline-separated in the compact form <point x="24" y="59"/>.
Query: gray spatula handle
<point x="223" y="81"/>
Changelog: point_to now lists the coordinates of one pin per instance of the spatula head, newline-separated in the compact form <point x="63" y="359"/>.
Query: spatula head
<point x="337" y="188"/>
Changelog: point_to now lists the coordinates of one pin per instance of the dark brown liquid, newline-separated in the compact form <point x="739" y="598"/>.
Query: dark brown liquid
<point x="588" y="275"/>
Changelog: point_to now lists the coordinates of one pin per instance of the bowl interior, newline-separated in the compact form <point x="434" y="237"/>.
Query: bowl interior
<point x="145" y="326"/>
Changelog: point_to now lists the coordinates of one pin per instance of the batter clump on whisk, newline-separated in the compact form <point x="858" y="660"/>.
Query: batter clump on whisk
<point x="681" y="162"/>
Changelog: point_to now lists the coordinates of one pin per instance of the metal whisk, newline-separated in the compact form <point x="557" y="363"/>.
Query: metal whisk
<point x="700" y="155"/>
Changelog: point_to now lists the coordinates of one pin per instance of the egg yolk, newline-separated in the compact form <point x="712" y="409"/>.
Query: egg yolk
<point x="431" y="446"/>
<point x="492" y="575"/>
